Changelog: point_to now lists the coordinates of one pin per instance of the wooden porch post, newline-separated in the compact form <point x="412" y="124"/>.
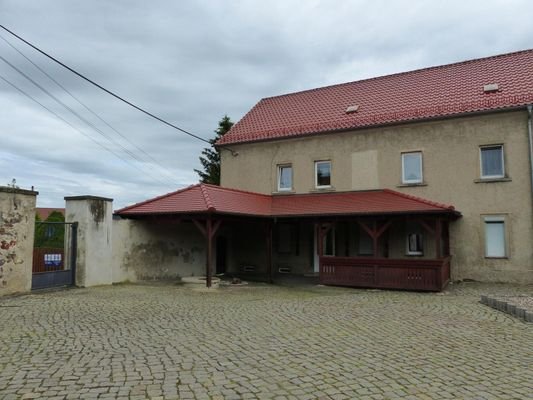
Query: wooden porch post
<point x="438" y="238"/>
<point x="269" y="250"/>
<point x="209" y="235"/>
<point x="446" y="238"/>
<point x="209" y="231"/>
<point x="375" y="232"/>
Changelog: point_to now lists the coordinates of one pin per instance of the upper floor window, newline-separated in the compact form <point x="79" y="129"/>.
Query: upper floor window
<point x="492" y="165"/>
<point x="284" y="177"/>
<point x="412" y="167"/>
<point x="322" y="174"/>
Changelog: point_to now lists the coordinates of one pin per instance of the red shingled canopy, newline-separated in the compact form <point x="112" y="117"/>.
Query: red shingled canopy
<point x="203" y="198"/>
<point x="428" y="93"/>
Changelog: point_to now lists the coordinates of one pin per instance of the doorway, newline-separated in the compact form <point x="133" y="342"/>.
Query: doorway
<point x="221" y="255"/>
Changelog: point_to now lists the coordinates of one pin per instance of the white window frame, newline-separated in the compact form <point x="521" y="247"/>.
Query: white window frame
<point x="414" y="253"/>
<point x="317" y="186"/>
<point x="495" y="219"/>
<point x="280" y="189"/>
<point x="413" y="181"/>
<point x="491" y="146"/>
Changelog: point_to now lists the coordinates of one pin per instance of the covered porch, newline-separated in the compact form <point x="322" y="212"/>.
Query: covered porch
<point x="389" y="252"/>
<point x="372" y="239"/>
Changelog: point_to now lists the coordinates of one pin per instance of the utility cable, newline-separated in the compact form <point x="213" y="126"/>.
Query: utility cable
<point x="74" y="127"/>
<point x="86" y="107"/>
<point x="112" y="93"/>
<point x="90" y="124"/>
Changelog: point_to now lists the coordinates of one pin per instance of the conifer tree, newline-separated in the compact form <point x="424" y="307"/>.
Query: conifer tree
<point x="210" y="158"/>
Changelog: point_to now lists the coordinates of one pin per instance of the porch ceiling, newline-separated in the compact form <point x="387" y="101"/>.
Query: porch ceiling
<point x="209" y="199"/>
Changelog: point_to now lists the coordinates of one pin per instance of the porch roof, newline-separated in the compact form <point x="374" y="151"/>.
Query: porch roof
<point x="210" y="199"/>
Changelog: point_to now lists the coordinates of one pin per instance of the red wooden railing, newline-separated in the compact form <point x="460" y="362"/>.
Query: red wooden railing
<point x="48" y="259"/>
<point x="385" y="273"/>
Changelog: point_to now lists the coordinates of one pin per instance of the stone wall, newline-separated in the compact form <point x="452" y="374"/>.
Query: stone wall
<point x="17" y="225"/>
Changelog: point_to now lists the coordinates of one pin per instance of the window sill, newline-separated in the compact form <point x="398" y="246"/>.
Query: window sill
<point x="282" y="192"/>
<point x="415" y="255"/>
<point x="496" y="258"/>
<point x="491" y="180"/>
<point x="411" y="184"/>
<point x="322" y="189"/>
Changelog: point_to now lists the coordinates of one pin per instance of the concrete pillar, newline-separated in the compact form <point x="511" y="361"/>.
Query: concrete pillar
<point x="94" y="256"/>
<point x="17" y="226"/>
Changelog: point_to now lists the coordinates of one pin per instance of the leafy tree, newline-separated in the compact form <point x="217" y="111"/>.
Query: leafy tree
<point x="50" y="235"/>
<point x="210" y="157"/>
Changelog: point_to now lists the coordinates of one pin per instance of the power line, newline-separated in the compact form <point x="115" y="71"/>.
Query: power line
<point x="90" y="124"/>
<point x="104" y="89"/>
<point x="85" y="106"/>
<point x="74" y="127"/>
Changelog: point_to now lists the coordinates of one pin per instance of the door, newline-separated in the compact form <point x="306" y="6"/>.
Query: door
<point x="328" y="247"/>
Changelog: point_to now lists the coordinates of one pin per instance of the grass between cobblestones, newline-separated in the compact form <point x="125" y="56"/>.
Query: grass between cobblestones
<point x="263" y="342"/>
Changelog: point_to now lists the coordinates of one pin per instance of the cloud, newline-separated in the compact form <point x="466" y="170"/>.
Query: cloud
<point x="191" y="62"/>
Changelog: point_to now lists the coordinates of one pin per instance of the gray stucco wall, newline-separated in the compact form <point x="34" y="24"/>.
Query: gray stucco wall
<point x="17" y="225"/>
<point x="94" y="216"/>
<point x="145" y="250"/>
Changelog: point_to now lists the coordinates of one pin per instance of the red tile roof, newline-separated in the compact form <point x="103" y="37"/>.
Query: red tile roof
<point x="44" y="212"/>
<point x="428" y="93"/>
<point x="202" y="198"/>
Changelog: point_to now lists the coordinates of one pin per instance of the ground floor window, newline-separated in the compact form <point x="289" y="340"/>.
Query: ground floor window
<point x="366" y="244"/>
<point x="415" y="244"/>
<point x="495" y="237"/>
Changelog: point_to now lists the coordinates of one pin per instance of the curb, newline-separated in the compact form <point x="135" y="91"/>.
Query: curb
<point x="511" y="309"/>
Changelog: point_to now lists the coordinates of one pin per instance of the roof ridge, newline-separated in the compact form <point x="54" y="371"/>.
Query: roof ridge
<point x="395" y="74"/>
<point x="210" y="206"/>
<point x="420" y="199"/>
<point x="155" y="198"/>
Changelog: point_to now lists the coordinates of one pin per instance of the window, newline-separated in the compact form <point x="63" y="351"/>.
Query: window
<point x="491" y="158"/>
<point x="412" y="167"/>
<point x="366" y="244"/>
<point x="495" y="237"/>
<point x="322" y="174"/>
<point x="415" y="244"/>
<point x="284" y="177"/>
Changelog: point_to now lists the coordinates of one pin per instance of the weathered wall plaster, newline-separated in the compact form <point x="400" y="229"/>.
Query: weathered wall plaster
<point x="94" y="250"/>
<point x="146" y="250"/>
<point x="17" y="223"/>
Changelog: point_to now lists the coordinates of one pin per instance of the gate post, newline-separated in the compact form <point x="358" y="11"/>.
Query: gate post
<point x="94" y="216"/>
<point x="17" y="226"/>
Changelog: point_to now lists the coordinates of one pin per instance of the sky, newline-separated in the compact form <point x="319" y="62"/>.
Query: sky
<point x="191" y="63"/>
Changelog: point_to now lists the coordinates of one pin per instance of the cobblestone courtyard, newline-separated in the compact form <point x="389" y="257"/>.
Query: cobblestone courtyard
<point x="166" y="341"/>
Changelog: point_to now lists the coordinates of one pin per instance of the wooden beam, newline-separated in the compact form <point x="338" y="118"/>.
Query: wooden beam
<point x="209" y="237"/>
<point x="426" y="226"/>
<point x="438" y="237"/>
<point x="384" y="228"/>
<point x="215" y="227"/>
<point x="269" y="250"/>
<point x="200" y="227"/>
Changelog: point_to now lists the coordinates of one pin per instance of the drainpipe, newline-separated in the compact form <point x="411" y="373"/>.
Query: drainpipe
<point x="530" y="137"/>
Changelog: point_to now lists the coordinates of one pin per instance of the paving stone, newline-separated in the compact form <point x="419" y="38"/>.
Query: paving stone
<point x="260" y="341"/>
